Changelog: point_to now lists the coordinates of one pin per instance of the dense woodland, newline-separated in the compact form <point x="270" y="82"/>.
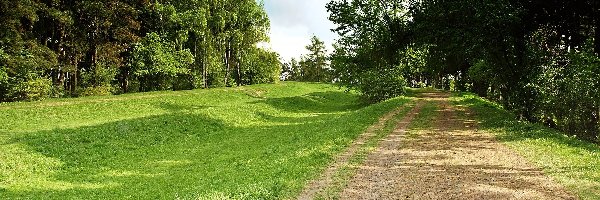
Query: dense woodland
<point x="538" y="58"/>
<point x="62" y="48"/>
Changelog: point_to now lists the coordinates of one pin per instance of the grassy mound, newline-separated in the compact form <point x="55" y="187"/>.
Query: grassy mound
<point x="263" y="141"/>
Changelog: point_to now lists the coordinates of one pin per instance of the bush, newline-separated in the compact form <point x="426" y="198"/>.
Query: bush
<point x="3" y="83"/>
<point x="156" y="63"/>
<point x="570" y="94"/>
<point x="32" y="90"/>
<point x="96" y="91"/>
<point x="379" y="86"/>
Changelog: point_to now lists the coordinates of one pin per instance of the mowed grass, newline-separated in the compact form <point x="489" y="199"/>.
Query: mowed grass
<point x="256" y="142"/>
<point x="573" y="163"/>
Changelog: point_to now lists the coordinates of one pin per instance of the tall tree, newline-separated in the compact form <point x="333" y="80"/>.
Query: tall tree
<point x="314" y="64"/>
<point x="372" y="33"/>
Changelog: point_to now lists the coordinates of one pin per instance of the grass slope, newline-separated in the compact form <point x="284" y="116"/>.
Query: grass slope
<point x="263" y="141"/>
<point x="574" y="163"/>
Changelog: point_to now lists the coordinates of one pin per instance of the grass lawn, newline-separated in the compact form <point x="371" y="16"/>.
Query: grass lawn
<point x="573" y="163"/>
<point x="263" y="141"/>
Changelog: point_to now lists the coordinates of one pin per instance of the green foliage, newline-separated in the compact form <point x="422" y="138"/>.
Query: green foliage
<point x="291" y="71"/>
<point x="3" y="77"/>
<point x="156" y="63"/>
<point x="34" y="89"/>
<point x="153" y="57"/>
<point x="263" y="67"/>
<point x="22" y="73"/>
<point x="570" y="94"/>
<point x="413" y="64"/>
<point x="539" y="66"/>
<point x="530" y="56"/>
<point x="96" y="91"/>
<point x="84" y="45"/>
<point x="312" y="67"/>
<point x="379" y="86"/>
<point x="259" y="142"/>
<point x="366" y="55"/>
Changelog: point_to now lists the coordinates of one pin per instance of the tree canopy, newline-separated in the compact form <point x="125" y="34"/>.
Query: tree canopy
<point x="93" y="47"/>
<point x="537" y="58"/>
<point x="312" y="67"/>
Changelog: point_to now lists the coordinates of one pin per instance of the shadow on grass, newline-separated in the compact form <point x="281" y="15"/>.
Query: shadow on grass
<point x="188" y="155"/>
<point x="317" y="102"/>
<point x="492" y="116"/>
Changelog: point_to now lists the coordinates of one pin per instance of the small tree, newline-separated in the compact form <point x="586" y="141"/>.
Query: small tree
<point x="314" y="65"/>
<point x="291" y="71"/>
<point x="156" y="63"/>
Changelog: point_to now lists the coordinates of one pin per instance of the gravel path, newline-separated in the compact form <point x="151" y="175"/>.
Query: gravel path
<point x="450" y="160"/>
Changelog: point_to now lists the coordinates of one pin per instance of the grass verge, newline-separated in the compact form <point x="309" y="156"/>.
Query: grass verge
<point x="573" y="163"/>
<point x="256" y="142"/>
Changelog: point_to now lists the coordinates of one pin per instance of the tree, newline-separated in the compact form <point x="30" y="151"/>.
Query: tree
<point x="291" y="71"/>
<point x="24" y="61"/>
<point x="99" y="47"/>
<point x="261" y="66"/>
<point x="314" y="64"/>
<point x="372" y="33"/>
<point x="156" y="63"/>
<point x="535" y="58"/>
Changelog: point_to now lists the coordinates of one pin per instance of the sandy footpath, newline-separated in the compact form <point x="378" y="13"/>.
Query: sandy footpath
<point x="450" y="160"/>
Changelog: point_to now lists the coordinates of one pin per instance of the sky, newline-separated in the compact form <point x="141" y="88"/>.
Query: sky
<point x="293" y="22"/>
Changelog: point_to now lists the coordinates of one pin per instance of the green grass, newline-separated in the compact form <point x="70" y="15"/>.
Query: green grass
<point x="256" y="142"/>
<point x="572" y="162"/>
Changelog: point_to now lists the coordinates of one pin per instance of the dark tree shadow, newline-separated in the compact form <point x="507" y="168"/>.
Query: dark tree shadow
<point x="493" y="117"/>
<point x="317" y="102"/>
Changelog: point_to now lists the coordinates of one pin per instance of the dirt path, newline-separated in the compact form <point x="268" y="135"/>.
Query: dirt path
<point x="449" y="160"/>
<point x="318" y="185"/>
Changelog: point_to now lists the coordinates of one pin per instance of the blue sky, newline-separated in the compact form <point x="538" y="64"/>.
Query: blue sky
<point x="293" y="22"/>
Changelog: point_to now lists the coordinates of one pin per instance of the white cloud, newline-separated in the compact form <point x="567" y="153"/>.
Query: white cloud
<point x="293" y="22"/>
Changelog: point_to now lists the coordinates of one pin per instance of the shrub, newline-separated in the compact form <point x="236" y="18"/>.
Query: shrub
<point x="31" y="90"/>
<point x="378" y="86"/>
<point x="96" y="91"/>
<point x="3" y="83"/>
<point x="570" y="94"/>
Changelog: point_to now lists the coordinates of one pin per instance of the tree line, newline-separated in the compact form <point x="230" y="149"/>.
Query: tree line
<point x="311" y="67"/>
<point x="538" y="58"/>
<point x="62" y="48"/>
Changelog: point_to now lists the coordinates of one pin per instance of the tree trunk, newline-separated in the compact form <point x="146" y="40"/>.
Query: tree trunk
<point x="597" y="28"/>
<point x="194" y="71"/>
<point x="125" y="80"/>
<point x="227" y="57"/>
<point x="94" y="65"/>
<point x="238" y="78"/>
<point x="204" y="59"/>
<point x="75" y="77"/>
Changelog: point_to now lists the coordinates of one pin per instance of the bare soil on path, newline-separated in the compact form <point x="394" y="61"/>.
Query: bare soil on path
<point x="451" y="159"/>
<point x="326" y="179"/>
